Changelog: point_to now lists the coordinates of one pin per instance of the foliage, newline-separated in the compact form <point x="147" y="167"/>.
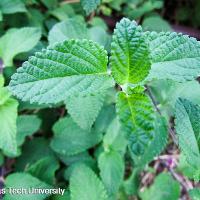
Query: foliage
<point x="91" y="111"/>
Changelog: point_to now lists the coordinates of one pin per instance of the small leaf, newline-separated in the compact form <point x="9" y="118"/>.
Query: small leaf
<point x="90" y="6"/>
<point x="130" y="61"/>
<point x="12" y="6"/>
<point x="25" y="181"/>
<point x="187" y="126"/>
<point x="85" y="109"/>
<point x="70" y="29"/>
<point x="70" y="139"/>
<point x="164" y="187"/>
<point x="137" y="118"/>
<point x="16" y="41"/>
<point x="174" y="56"/>
<point x="26" y="126"/>
<point x="85" y="185"/>
<point x="8" y="129"/>
<point x="70" y="68"/>
<point x="111" y="166"/>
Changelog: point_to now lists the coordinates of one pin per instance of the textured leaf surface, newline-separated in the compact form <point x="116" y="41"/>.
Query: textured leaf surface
<point x="130" y="60"/>
<point x="69" y="29"/>
<point x="70" y="139"/>
<point x="26" y="126"/>
<point x="16" y="41"/>
<point x="85" y="109"/>
<point x="156" y="145"/>
<point x="111" y="166"/>
<point x="8" y="116"/>
<point x="137" y="118"/>
<point x="164" y="187"/>
<point x="174" y="56"/>
<point x="85" y="185"/>
<point x="69" y="68"/>
<point x="187" y="127"/>
<point x="90" y="6"/>
<point x="26" y="181"/>
<point x="12" y="6"/>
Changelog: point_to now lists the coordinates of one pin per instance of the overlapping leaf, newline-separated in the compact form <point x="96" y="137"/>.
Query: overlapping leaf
<point x="69" y="68"/>
<point x="174" y="56"/>
<point x="130" y="61"/>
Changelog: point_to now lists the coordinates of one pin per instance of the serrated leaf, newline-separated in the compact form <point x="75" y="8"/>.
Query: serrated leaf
<point x="26" y="181"/>
<point x="12" y="6"/>
<point x="8" y="116"/>
<point x="187" y="127"/>
<point x="26" y="126"/>
<point x="130" y="61"/>
<point x="16" y="41"/>
<point x="90" y="6"/>
<point x="85" y="185"/>
<point x="85" y="109"/>
<point x="72" y="28"/>
<point x="136" y="114"/>
<point x="111" y="166"/>
<point x="156" y="145"/>
<point x="194" y="194"/>
<point x="164" y="187"/>
<point x="70" y="139"/>
<point x="174" y="56"/>
<point x="69" y="68"/>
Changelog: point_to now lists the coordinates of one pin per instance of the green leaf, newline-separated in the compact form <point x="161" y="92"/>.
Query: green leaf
<point x="187" y="126"/>
<point x="70" y="68"/>
<point x="194" y="194"/>
<point x="70" y="139"/>
<point x="130" y="61"/>
<point x="111" y="166"/>
<point x="85" y="109"/>
<point x="164" y="187"/>
<point x="26" y="181"/>
<point x="26" y="126"/>
<point x="85" y="185"/>
<point x="12" y="6"/>
<point x="72" y="28"/>
<point x="44" y="169"/>
<point x="156" y="145"/>
<point x="16" y="41"/>
<point x="90" y="6"/>
<point x="137" y="118"/>
<point x="174" y="56"/>
<point x="8" y="116"/>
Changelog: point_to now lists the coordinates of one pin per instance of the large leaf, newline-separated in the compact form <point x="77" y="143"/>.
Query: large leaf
<point x="195" y="194"/>
<point x="70" y="29"/>
<point x="174" y="56"/>
<point x="69" y="68"/>
<point x="85" y="185"/>
<point x="25" y="181"/>
<point x="84" y="109"/>
<point x="70" y="139"/>
<point x="90" y="6"/>
<point x="111" y="166"/>
<point x="16" y="41"/>
<point x="130" y="60"/>
<point x="12" y="6"/>
<point x="137" y="118"/>
<point x="164" y="188"/>
<point x="8" y="116"/>
<point x="187" y="127"/>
